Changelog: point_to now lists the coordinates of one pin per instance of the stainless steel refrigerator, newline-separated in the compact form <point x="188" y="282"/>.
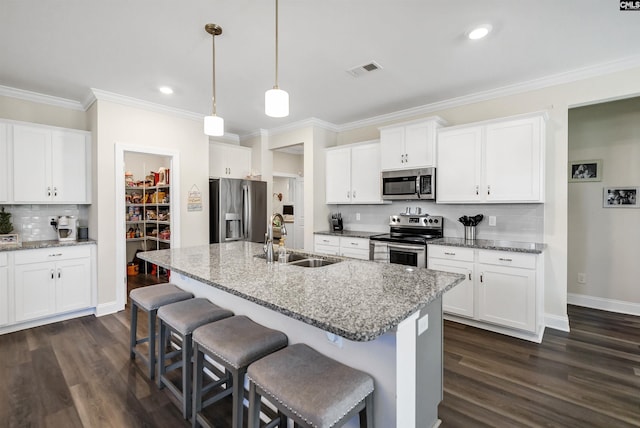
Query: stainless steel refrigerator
<point x="238" y="210"/>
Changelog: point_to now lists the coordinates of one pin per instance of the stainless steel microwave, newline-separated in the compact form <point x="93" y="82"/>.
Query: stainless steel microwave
<point x="408" y="184"/>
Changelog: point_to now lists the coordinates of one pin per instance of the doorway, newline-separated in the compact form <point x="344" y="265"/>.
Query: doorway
<point x="147" y="213"/>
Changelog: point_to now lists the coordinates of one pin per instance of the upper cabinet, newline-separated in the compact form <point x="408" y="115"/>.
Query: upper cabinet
<point x="492" y="162"/>
<point x="409" y="145"/>
<point x="50" y="165"/>
<point x="353" y="174"/>
<point x="4" y="163"/>
<point x="229" y="161"/>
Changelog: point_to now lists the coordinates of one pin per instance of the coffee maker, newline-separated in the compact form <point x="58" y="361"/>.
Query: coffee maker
<point x="67" y="227"/>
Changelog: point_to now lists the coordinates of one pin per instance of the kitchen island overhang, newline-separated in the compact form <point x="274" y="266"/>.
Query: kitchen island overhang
<point x="390" y="316"/>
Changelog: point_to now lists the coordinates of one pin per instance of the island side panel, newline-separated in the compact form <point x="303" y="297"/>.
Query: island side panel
<point x="376" y="357"/>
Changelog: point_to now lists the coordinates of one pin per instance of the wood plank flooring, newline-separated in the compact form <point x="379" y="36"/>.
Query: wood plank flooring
<point x="77" y="373"/>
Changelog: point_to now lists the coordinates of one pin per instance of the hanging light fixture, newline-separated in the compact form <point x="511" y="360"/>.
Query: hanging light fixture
<point x="276" y="101"/>
<point x="214" y="124"/>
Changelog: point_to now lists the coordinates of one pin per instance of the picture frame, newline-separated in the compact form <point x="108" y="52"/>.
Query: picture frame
<point x="620" y="197"/>
<point x="585" y="170"/>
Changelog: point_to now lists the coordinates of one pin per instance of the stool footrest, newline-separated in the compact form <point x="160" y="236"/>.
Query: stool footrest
<point x="217" y="397"/>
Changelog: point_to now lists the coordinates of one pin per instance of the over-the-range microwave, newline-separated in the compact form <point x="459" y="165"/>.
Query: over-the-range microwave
<point x="408" y="184"/>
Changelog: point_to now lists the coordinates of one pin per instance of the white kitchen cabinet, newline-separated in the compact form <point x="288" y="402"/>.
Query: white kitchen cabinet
<point x="492" y="162"/>
<point x="409" y="145"/>
<point x="50" y="165"/>
<point x="501" y="288"/>
<point x="353" y="174"/>
<point x="229" y="161"/>
<point x="4" y="163"/>
<point x="357" y="248"/>
<point x="51" y="281"/>
<point x="4" y="290"/>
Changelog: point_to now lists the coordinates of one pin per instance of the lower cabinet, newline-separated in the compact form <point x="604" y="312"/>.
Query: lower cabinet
<point x="51" y="281"/>
<point x="357" y="248"/>
<point x="4" y="290"/>
<point x="500" y="287"/>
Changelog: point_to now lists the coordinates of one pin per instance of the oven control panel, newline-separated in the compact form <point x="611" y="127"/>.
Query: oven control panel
<point x="418" y="221"/>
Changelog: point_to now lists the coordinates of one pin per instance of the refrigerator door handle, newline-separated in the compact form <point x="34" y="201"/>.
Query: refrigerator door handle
<point x="246" y="200"/>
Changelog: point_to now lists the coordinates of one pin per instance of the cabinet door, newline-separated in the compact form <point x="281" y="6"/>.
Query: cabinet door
<point x="217" y="161"/>
<point x="338" y="176"/>
<point x="460" y="299"/>
<point x="459" y="165"/>
<point x="4" y="295"/>
<point x="419" y="145"/>
<point x="35" y="290"/>
<point x="69" y="167"/>
<point x="31" y="164"/>
<point x="4" y="164"/>
<point x="365" y="174"/>
<point x="506" y="296"/>
<point x="238" y="162"/>
<point x="392" y="148"/>
<point x="73" y="284"/>
<point x="513" y="161"/>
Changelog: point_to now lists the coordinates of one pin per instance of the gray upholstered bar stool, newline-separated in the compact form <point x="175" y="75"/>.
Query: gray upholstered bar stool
<point x="310" y="388"/>
<point x="149" y="299"/>
<point x="233" y="343"/>
<point x="182" y="318"/>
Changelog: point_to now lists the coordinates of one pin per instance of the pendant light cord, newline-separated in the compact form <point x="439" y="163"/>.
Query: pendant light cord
<point x="213" y="44"/>
<point x="276" y="85"/>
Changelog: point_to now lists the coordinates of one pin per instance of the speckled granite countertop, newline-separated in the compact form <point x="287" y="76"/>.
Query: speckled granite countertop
<point x="34" y="245"/>
<point x="349" y="233"/>
<point x="358" y="300"/>
<point x="487" y="244"/>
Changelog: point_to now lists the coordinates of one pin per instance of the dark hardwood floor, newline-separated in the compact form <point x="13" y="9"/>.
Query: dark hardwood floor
<point x="77" y="373"/>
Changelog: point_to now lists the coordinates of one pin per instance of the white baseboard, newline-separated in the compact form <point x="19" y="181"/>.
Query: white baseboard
<point x="557" y="322"/>
<point x="44" y="321"/>
<point x="108" y="308"/>
<point x="604" y="304"/>
<point x="520" y="334"/>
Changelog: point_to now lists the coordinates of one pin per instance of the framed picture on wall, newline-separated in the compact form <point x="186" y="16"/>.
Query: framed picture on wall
<point x="620" y="197"/>
<point x="585" y="170"/>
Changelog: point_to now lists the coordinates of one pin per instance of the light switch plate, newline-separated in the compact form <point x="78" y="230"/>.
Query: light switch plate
<point x="492" y="220"/>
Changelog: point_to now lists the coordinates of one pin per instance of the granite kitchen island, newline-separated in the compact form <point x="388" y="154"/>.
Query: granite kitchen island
<point x="384" y="319"/>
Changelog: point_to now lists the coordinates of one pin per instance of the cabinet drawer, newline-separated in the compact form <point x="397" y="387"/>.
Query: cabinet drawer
<point x="502" y="258"/>
<point x="327" y="240"/>
<point x="348" y="243"/>
<point x="450" y="253"/>
<point x="52" y="254"/>
<point x="3" y="259"/>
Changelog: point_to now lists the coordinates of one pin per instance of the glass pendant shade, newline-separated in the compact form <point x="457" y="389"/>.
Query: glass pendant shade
<point x="276" y="103"/>
<point x="214" y="126"/>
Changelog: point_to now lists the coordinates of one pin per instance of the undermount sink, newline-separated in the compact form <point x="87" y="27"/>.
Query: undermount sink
<point x="303" y="260"/>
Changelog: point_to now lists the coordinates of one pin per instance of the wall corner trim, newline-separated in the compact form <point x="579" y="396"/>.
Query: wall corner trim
<point x="108" y="308"/>
<point x="557" y="322"/>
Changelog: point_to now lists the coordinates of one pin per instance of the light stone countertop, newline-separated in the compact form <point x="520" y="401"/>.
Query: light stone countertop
<point x="488" y="244"/>
<point x="34" y="245"/>
<point x="349" y="233"/>
<point x="358" y="300"/>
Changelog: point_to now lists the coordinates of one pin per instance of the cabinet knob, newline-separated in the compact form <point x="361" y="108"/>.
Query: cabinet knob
<point x="477" y="189"/>
<point x="354" y="194"/>
<point x="59" y="273"/>
<point x="505" y="260"/>
<point x="481" y="275"/>
<point x="449" y="254"/>
<point x="48" y="191"/>
<point x="55" y="191"/>
<point x="488" y="189"/>
<point x="469" y="275"/>
<point x="51" y="273"/>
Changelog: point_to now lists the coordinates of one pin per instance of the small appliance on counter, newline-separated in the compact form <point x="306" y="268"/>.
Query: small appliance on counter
<point x="67" y="227"/>
<point x="287" y="213"/>
<point x="336" y="222"/>
<point x="470" y="224"/>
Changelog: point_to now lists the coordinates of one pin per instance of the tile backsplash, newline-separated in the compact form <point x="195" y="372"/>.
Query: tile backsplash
<point x="31" y="222"/>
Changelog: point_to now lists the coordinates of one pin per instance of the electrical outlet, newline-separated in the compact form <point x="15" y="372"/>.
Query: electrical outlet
<point x="53" y="220"/>
<point x="334" y="339"/>
<point x="492" y="220"/>
<point x="582" y="278"/>
<point x="357" y="216"/>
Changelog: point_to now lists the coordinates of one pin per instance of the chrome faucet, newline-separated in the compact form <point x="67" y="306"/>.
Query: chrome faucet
<point x="268" y="237"/>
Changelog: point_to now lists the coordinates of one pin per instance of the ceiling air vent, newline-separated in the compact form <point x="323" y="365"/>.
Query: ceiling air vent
<point x="363" y="69"/>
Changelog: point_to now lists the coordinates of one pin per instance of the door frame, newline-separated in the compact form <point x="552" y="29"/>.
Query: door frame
<point x="120" y="227"/>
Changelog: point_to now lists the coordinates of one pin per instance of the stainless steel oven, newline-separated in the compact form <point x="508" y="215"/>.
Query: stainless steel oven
<point x="409" y="184"/>
<point x="406" y="244"/>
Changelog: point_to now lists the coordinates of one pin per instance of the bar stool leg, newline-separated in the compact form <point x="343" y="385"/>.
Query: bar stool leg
<point x="254" y="407"/>
<point x="152" y="343"/>
<point x="162" y="348"/>
<point x="134" y="330"/>
<point x="198" y="362"/>
<point x="187" y="375"/>
<point x="238" y="397"/>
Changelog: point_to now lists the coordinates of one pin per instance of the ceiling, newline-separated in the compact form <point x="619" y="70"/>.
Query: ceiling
<point x="65" y="48"/>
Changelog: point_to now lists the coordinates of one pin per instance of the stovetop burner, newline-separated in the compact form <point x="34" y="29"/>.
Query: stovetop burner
<point x="412" y="229"/>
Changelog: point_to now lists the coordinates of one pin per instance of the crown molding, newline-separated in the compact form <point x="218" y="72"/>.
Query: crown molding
<point x="530" y="85"/>
<point x="40" y="98"/>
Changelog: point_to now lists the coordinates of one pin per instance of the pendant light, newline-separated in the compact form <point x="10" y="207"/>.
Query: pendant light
<point x="276" y="101"/>
<point x="214" y="124"/>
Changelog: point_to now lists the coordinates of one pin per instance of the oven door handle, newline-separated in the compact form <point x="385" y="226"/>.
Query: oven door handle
<point x="416" y="248"/>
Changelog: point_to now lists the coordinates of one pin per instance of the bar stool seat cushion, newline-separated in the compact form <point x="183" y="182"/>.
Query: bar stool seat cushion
<point x="154" y="296"/>
<point x="187" y="315"/>
<point x="317" y="388"/>
<point x="238" y="340"/>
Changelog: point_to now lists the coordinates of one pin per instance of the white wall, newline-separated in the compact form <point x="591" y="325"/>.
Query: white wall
<point x="288" y="163"/>
<point x="604" y="243"/>
<point x="28" y="111"/>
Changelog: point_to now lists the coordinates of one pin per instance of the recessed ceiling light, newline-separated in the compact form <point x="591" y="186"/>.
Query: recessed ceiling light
<point x="479" y="32"/>
<point x="166" y="90"/>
